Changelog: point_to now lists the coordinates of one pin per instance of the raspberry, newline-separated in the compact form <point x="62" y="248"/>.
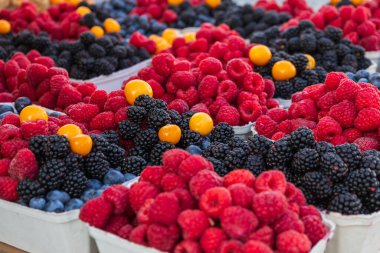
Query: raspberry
<point x="178" y="105"/>
<point x="158" y="90"/>
<point x="285" y="126"/>
<point x="57" y="82"/>
<point x="368" y="119"/>
<point x="23" y="165"/>
<point x="288" y="221"/>
<point x="218" y="50"/>
<point x="139" y="235"/>
<point x="297" y="123"/>
<point x="115" y="103"/>
<point x="99" y="98"/>
<point x="121" y="115"/>
<point x="304" y="109"/>
<point x="33" y="54"/>
<point x="250" y="110"/>
<point x="202" y="181"/>
<point x="347" y="90"/>
<point x="27" y="90"/>
<point x="273" y="180"/>
<point x="269" y="87"/>
<point x="4" y="166"/>
<point x="236" y="43"/>
<point x="68" y="96"/>
<point x="192" y="165"/>
<point x="240" y="176"/>
<point x="143" y="213"/>
<point x="200" y="45"/>
<point x="238" y="222"/>
<point x="264" y="234"/>
<point x="186" y="201"/>
<point x="338" y="140"/>
<point x="181" y="65"/>
<point x="327" y="128"/>
<point x="314" y="228"/>
<point x="125" y="231"/>
<point x="210" y="66"/>
<point x="294" y="195"/>
<point x="314" y="92"/>
<point x="11" y="119"/>
<point x="45" y="61"/>
<point x="367" y="28"/>
<point x="82" y="112"/>
<point x="228" y="90"/>
<point x="48" y="100"/>
<point x="10" y="148"/>
<point x="153" y="175"/>
<point x="272" y="103"/>
<point x="327" y="101"/>
<point x="270" y="205"/>
<point x="115" y="223"/>
<point x="36" y="73"/>
<point x="245" y="96"/>
<point x="103" y="121"/>
<point x="183" y="79"/>
<point x="193" y="224"/>
<point x="228" y="114"/>
<point x="190" y="96"/>
<point x="165" y="209"/>
<point x="346" y="11"/>
<point x="367" y="143"/>
<point x="367" y="98"/>
<point x="237" y="69"/>
<point x="149" y="73"/>
<point x="293" y="242"/>
<point x="256" y="246"/>
<point x="231" y="246"/>
<point x="344" y="113"/>
<point x="117" y="195"/>
<point x="8" y="189"/>
<point x="187" y="246"/>
<point x="278" y="115"/>
<point x="163" y="63"/>
<point x="241" y="195"/>
<point x="30" y="129"/>
<point x="208" y="87"/>
<point x="161" y="237"/>
<point x="216" y="105"/>
<point x="360" y="14"/>
<point x="96" y="212"/>
<point x="309" y="210"/>
<point x="9" y="132"/>
<point x="333" y="79"/>
<point x="173" y="158"/>
<point x="214" y="201"/>
<point x="171" y="181"/>
<point x="253" y="82"/>
<point x="266" y="126"/>
<point x="140" y="192"/>
<point x="212" y="239"/>
<point x="351" y="134"/>
<point x="200" y="108"/>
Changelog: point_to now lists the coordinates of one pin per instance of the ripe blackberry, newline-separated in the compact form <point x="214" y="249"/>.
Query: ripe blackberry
<point x="87" y="38"/>
<point x="134" y="165"/>
<point x="339" y="189"/>
<point x="160" y="104"/>
<point x="75" y="183"/>
<point x="362" y="182"/>
<point x="146" y="102"/>
<point x="302" y="138"/>
<point x="280" y="153"/>
<point x="99" y="143"/>
<point x="350" y="154"/>
<point x="115" y="155"/>
<point x="305" y="160"/>
<point x="239" y="142"/>
<point x="346" y="203"/>
<point x="317" y="184"/>
<point x="158" y="118"/>
<point x="325" y="44"/>
<point x="190" y="137"/>
<point x="139" y="151"/>
<point x="186" y="119"/>
<point x="146" y="139"/>
<point x="217" y="150"/>
<point x="38" y="144"/>
<point x="218" y="166"/>
<point x="259" y="144"/>
<point x="372" y="202"/>
<point x="52" y="174"/>
<point x="333" y="33"/>
<point x="175" y="118"/>
<point x="308" y="43"/>
<point x="299" y="83"/>
<point x="284" y="89"/>
<point x="371" y="162"/>
<point x="235" y="159"/>
<point x="290" y="33"/>
<point x="222" y="133"/>
<point x="73" y="161"/>
<point x="324" y="147"/>
<point x="255" y="164"/>
<point x="112" y="137"/>
<point x="310" y="76"/>
<point x="300" y="62"/>
<point x="57" y="146"/>
<point x="371" y="153"/>
<point x="96" y="165"/>
<point x="128" y="129"/>
<point x="158" y="150"/>
<point x="333" y="166"/>
<point x="28" y="189"/>
<point x="137" y="113"/>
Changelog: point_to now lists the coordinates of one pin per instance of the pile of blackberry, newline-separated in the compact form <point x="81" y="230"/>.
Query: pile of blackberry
<point x="340" y="179"/>
<point x="85" y="58"/>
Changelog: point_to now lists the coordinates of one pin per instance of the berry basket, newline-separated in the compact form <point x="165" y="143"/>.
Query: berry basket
<point x="40" y="232"/>
<point x="355" y="233"/>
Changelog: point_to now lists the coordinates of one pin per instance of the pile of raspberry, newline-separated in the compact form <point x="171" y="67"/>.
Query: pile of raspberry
<point x="60" y="21"/>
<point x="184" y="206"/>
<point x="295" y="8"/>
<point x="338" y="111"/>
<point x="210" y="75"/>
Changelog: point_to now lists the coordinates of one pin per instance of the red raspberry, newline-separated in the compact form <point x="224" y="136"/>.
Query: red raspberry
<point x="23" y="165"/>
<point x="353" y="36"/>
<point x="241" y="195"/>
<point x="344" y="113"/>
<point x="309" y="210"/>
<point x="171" y="88"/>
<point x="327" y="101"/>
<point x="245" y="96"/>
<point x="27" y="90"/>
<point x="285" y="126"/>
<point x="188" y="246"/>
<point x="347" y="90"/>
<point x="231" y="246"/>
<point x="43" y="88"/>
<point x="186" y="201"/>
<point x="278" y="114"/>
<point x="269" y="205"/>
<point x="297" y="123"/>
<point x="33" y="54"/>
<point x="202" y="181"/>
<point x="208" y="87"/>
<point x="215" y="106"/>
<point x="368" y="119"/>
<point x="253" y="82"/>
<point x="371" y="43"/>
<point x="218" y="50"/>
<point x="193" y="224"/>
<point x="165" y="209"/>
<point x="139" y="235"/>
<point x="346" y="11"/>
<point x="314" y="228"/>
<point x="288" y="221"/>
<point x="237" y="69"/>
<point x="48" y="100"/>
<point x="162" y="238"/>
<point x="273" y="180"/>
<point x="210" y="66"/>
<point x="115" y="103"/>
<point x="304" y="109"/>
<point x="200" y="45"/>
<point x="338" y="140"/>
<point x="21" y="60"/>
<point x="366" y="28"/>
<point x="30" y="129"/>
<point x="250" y="110"/>
<point x="228" y="90"/>
<point x="367" y="98"/>
<point x="236" y="43"/>
<point x="330" y="12"/>
<point x="153" y="175"/>
<point x="117" y="195"/>
<point x="314" y="92"/>
<point x="116" y="223"/>
<point x="238" y="222"/>
<point x="121" y="115"/>
<point x="178" y="105"/>
<point x="103" y="121"/>
<point x="190" y="95"/>
<point x="294" y="195"/>
<point x="158" y="90"/>
<point x="36" y="73"/>
<point x="11" y="68"/>
<point x="367" y="143"/>
<point x="140" y="192"/>
<point x="264" y="234"/>
<point x="96" y="212"/>
<point x="68" y="96"/>
<point x="200" y="108"/>
<point x="256" y="246"/>
<point x="57" y="82"/>
<point x="269" y="87"/>
<point x="278" y="136"/>
<point x="351" y="134"/>
<point x="266" y="126"/>
<point x="183" y="79"/>
<point x="212" y="239"/>
<point x="163" y="63"/>
<point x="333" y="79"/>
<point x="8" y="189"/>
<point x="125" y="231"/>
<point x="11" y="119"/>
<point x="293" y="242"/>
<point x="272" y="103"/>
<point x="82" y="112"/>
<point x="143" y="213"/>
<point x="86" y="88"/>
<point x="327" y="128"/>
<point x="4" y="166"/>
<point x="181" y="65"/>
<point x="9" y="132"/>
<point x="228" y="114"/>
<point x="360" y="14"/>
<point x="45" y="61"/>
<point x="173" y="158"/>
<point x="239" y="176"/>
<point x="10" y="148"/>
<point x="349" y="27"/>
<point x="214" y="201"/>
<point x="192" y="165"/>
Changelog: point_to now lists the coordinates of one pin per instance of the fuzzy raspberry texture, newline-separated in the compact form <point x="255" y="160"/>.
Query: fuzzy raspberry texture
<point x="207" y="213"/>
<point x="338" y="111"/>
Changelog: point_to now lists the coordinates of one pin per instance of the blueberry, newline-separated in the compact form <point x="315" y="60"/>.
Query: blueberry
<point x="55" y="206"/>
<point x="363" y="80"/>
<point x="58" y="195"/>
<point x="5" y="114"/>
<point x="128" y="177"/>
<point x="362" y="73"/>
<point x="37" y="203"/>
<point x="194" y="150"/>
<point x="22" y="102"/>
<point x="73" y="204"/>
<point x="205" y="144"/>
<point x="104" y="187"/>
<point x="113" y="177"/>
<point x="94" y="184"/>
<point x="375" y="77"/>
<point x="350" y="75"/>
<point x="88" y="195"/>
<point x="6" y="108"/>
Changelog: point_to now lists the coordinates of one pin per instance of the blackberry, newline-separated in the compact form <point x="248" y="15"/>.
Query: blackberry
<point x="75" y="183"/>
<point x="372" y="153"/>
<point x="96" y="51"/>
<point x="305" y="24"/>
<point x="160" y="104"/>
<point x="284" y="89"/>
<point x="128" y="129"/>
<point x="222" y="133"/>
<point x="280" y="153"/>
<point x="99" y="143"/>
<point x="57" y="146"/>
<point x="218" y="166"/>
<point x="186" y="119"/>
<point x="324" y="147"/>
<point x="38" y="145"/>
<point x="158" y="118"/>
<point x="259" y="144"/>
<point x="310" y="76"/>
<point x="28" y="189"/>
<point x="333" y="33"/>
<point x="339" y="189"/>
<point x="136" y="113"/>
<point x="139" y="151"/>
<point x="372" y="202"/>
<point x="317" y="184"/>
<point x="302" y="138"/>
<point x="115" y="155"/>
<point x="217" y="150"/>
<point x="299" y="83"/>
<point x="96" y="165"/>
<point x="190" y="137"/>
<point x="111" y="136"/>
<point x="158" y="150"/>
<point x="87" y="38"/>
<point x="235" y="159"/>
<point x="325" y="44"/>
<point x="146" y="102"/>
<point x="371" y="162"/>
<point x="345" y="203"/>
<point x="73" y="162"/>
<point x="333" y="166"/>
<point x="305" y="160"/>
<point x="52" y="174"/>
<point x="175" y="117"/>
<point x="134" y="165"/>
<point x="350" y="154"/>
<point x="308" y="43"/>
<point x="146" y="139"/>
<point x="255" y="164"/>
<point x="239" y="142"/>
<point x="294" y="44"/>
<point x="300" y="62"/>
<point x="290" y="33"/>
<point x="362" y="182"/>
<point x="103" y="67"/>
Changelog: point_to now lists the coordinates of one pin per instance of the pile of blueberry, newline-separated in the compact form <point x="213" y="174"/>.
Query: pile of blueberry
<point x="364" y="76"/>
